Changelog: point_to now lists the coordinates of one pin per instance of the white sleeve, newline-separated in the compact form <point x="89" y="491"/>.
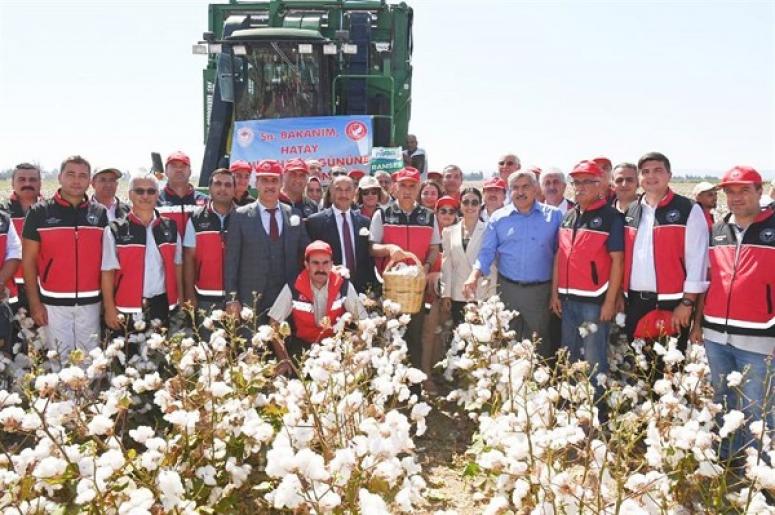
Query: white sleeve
<point x="375" y="230"/>
<point x="696" y="252"/>
<point x="283" y="304"/>
<point x="109" y="256"/>
<point x="189" y="238"/>
<point x="178" y="251"/>
<point x="436" y="237"/>
<point x="13" y="245"/>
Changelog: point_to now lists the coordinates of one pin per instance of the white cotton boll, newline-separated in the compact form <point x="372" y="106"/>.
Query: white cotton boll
<point x="482" y="333"/>
<point x="592" y="328"/>
<point x="540" y="376"/>
<point x="732" y="422"/>
<point x="186" y="419"/>
<point x="497" y="505"/>
<point x="583" y="331"/>
<point x="140" y="502"/>
<point x="415" y="375"/>
<point x="620" y="319"/>
<point x="13" y="416"/>
<point x="85" y="491"/>
<point x="207" y="474"/>
<point x="246" y="313"/>
<point x="74" y="377"/>
<point x="464" y="330"/>
<point x="287" y="494"/>
<point x="141" y="434"/>
<point x="112" y="459"/>
<point x="46" y="384"/>
<point x="170" y="488"/>
<point x="239" y="474"/>
<point x="673" y="356"/>
<point x="49" y="467"/>
<point x="757" y="427"/>
<point x="311" y="465"/>
<point x="709" y="469"/>
<point x="100" y="425"/>
<point x="220" y="389"/>
<point x="279" y="460"/>
<point x="662" y="386"/>
<point x="371" y="504"/>
<point x="734" y="379"/>
<point x="659" y="349"/>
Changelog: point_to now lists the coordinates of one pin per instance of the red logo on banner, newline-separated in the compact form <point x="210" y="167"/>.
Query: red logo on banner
<point x="356" y="130"/>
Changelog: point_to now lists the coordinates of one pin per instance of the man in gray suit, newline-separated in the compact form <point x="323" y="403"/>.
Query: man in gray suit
<point x="264" y="247"/>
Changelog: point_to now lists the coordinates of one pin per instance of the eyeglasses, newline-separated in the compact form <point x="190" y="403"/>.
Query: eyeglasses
<point x="622" y="180"/>
<point x="585" y="182"/>
<point x="145" y="191"/>
<point x="447" y="211"/>
<point x="338" y="174"/>
<point x="371" y="191"/>
<point x="509" y="163"/>
<point x="470" y="202"/>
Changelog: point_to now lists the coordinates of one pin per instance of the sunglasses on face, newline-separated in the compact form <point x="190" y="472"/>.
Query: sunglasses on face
<point x="371" y="192"/>
<point x="470" y="202"/>
<point x="447" y="211"/>
<point x="338" y="174"/>
<point x="509" y="163"/>
<point x="145" y="191"/>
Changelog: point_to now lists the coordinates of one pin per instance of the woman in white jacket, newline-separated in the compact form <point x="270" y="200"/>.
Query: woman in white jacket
<point x="460" y="245"/>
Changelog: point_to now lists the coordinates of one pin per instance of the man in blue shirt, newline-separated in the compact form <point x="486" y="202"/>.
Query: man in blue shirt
<point x="523" y="237"/>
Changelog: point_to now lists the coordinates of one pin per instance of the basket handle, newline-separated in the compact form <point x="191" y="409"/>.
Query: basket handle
<point x="407" y="253"/>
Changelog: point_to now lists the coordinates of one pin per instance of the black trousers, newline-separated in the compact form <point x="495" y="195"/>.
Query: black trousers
<point x="458" y="312"/>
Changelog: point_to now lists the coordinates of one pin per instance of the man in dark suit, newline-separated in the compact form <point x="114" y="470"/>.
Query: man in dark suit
<point x="264" y="247"/>
<point x="343" y="229"/>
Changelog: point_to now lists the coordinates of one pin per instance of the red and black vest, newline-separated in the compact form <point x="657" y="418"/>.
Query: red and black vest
<point x="5" y="226"/>
<point x="179" y="209"/>
<point x="742" y="282"/>
<point x="672" y="214"/>
<point x="70" y="254"/>
<point x="412" y="232"/>
<point x="130" y="236"/>
<point x="583" y="259"/>
<point x="303" y="310"/>
<point x="210" y="252"/>
<point x="14" y="209"/>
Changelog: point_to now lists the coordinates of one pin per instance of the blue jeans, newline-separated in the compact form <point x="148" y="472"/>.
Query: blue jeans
<point x="724" y="359"/>
<point x="592" y="348"/>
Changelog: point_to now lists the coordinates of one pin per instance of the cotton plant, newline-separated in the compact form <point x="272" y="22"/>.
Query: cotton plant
<point x="545" y="443"/>
<point x="153" y="422"/>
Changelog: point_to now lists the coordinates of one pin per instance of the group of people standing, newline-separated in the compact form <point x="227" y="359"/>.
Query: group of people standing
<point x="310" y="243"/>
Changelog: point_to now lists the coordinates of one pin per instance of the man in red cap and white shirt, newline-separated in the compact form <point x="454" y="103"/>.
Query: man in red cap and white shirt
<point x="738" y="320"/>
<point x="494" y="193"/>
<point x="315" y="301"/>
<point x="553" y="188"/>
<point x="402" y="230"/>
<point x="706" y="195"/>
<point x="588" y="268"/>
<point x="264" y="247"/>
<point x="241" y="171"/>
<point x="295" y="175"/>
<point x="178" y="199"/>
<point x="665" y="255"/>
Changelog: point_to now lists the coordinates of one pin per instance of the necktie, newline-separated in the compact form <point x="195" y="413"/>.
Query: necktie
<point x="349" y="255"/>
<point x="274" y="230"/>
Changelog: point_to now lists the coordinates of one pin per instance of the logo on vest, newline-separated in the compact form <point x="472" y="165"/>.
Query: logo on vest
<point x="166" y="232"/>
<point x="767" y="235"/>
<point x="596" y="222"/>
<point x="53" y="220"/>
<point x="720" y="238"/>
<point x="672" y="216"/>
<point x="125" y="237"/>
<point x="204" y="225"/>
<point x="92" y="218"/>
<point x="391" y="219"/>
<point x="422" y="217"/>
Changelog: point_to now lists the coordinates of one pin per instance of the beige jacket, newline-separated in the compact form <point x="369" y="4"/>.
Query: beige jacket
<point x="457" y="262"/>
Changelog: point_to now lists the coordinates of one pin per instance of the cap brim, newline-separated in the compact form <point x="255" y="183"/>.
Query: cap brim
<point x="733" y="183"/>
<point x="109" y="170"/>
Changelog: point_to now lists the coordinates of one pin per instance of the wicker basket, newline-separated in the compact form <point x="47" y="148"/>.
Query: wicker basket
<point x="407" y="290"/>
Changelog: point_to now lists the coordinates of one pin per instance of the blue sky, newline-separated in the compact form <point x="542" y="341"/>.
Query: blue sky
<point x="553" y="81"/>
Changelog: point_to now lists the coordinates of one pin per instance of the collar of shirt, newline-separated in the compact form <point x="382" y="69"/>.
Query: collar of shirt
<point x="263" y="208"/>
<point x="106" y="206"/>
<point x="339" y="212"/>
<point x="511" y="209"/>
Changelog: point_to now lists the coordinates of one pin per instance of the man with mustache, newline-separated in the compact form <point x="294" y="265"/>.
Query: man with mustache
<point x="315" y="301"/>
<point x="625" y="185"/>
<point x="494" y="193"/>
<point x="523" y="238"/>
<point x="413" y="156"/>
<point x="452" y="181"/>
<point x="553" y="187"/>
<point x="26" y="183"/>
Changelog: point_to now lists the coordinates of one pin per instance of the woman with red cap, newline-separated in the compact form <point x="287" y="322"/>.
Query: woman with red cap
<point x="433" y="334"/>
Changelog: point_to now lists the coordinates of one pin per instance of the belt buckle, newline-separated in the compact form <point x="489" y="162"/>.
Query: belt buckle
<point x="647" y="295"/>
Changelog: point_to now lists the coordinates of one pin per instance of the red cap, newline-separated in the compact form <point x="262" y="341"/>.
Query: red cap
<point x="407" y="174"/>
<point x="296" y="164"/>
<point x="447" y="201"/>
<point x="356" y="174"/>
<point x="240" y="166"/>
<point x="318" y="246"/>
<point x="269" y="168"/>
<point x="494" y="182"/>
<point x="740" y="175"/>
<point x="435" y="174"/>
<point x="602" y="161"/>
<point x="589" y="167"/>
<point x="178" y="156"/>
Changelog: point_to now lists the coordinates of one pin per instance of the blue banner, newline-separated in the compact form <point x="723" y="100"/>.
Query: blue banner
<point x="332" y="140"/>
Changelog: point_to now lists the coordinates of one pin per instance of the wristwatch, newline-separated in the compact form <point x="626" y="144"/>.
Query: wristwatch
<point x="687" y="302"/>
